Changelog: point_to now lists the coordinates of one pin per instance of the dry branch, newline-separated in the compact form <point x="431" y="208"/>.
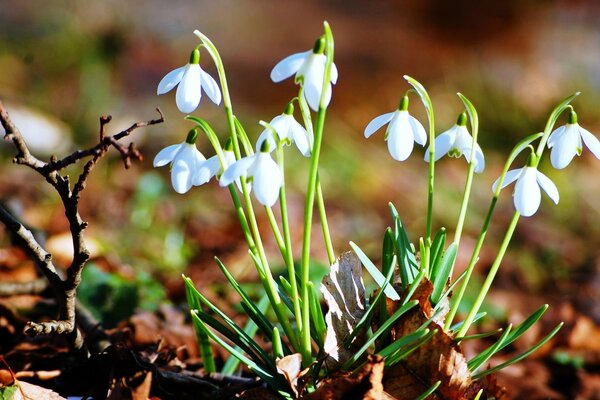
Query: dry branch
<point x="64" y="288"/>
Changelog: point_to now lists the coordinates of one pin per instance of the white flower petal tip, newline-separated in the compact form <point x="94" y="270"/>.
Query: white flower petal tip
<point x="190" y="81"/>
<point x="567" y="141"/>
<point x="402" y="132"/>
<point x="185" y="160"/>
<point x="309" y="68"/>
<point x="266" y="176"/>
<point x="527" y="194"/>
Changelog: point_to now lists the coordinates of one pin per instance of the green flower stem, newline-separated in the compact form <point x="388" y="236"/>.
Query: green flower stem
<point x="490" y="277"/>
<point x="522" y="145"/>
<point x="324" y="223"/>
<point x="289" y="257"/>
<point x="270" y="287"/>
<point x="276" y="232"/>
<point x="305" y="343"/>
<point x="492" y="273"/>
<point x="426" y="100"/>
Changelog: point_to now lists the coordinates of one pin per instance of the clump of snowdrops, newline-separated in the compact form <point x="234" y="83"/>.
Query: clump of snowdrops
<point x="306" y="344"/>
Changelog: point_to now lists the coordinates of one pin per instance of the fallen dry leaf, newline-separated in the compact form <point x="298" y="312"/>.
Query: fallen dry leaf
<point x="290" y="367"/>
<point x="344" y="293"/>
<point x="365" y="384"/>
<point x="439" y="359"/>
<point x="29" y="391"/>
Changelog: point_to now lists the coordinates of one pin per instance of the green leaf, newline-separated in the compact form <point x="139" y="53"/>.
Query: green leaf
<point x="317" y="318"/>
<point x="443" y="272"/>
<point x="387" y="253"/>
<point x="374" y="272"/>
<point x="459" y="325"/>
<point x="8" y="392"/>
<point x="437" y="251"/>
<point x="382" y="329"/>
<point x="403" y="341"/>
<point x="429" y="391"/>
<point x="485" y="355"/>
<point x="520" y="356"/>
<point x="407" y="262"/>
<point x="404" y="352"/>
<point x="366" y="318"/>
<point x="269" y="377"/>
<point x="509" y="338"/>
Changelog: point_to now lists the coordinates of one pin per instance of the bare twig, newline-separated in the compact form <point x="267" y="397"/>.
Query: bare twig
<point x="65" y="289"/>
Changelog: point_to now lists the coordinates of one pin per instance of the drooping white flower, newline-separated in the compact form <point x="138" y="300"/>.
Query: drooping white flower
<point x="309" y="67"/>
<point x="566" y="142"/>
<point x="527" y="194"/>
<point x="212" y="167"/>
<point x="456" y="142"/>
<point x="191" y="80"/>
<point x="184" y="159"/>
<point x="402" y="131"/>
<point x="288" y="130"/>
<point x="265" y="174"/>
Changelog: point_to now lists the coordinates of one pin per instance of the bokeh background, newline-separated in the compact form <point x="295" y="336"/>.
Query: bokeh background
<point x="65" y="63"/>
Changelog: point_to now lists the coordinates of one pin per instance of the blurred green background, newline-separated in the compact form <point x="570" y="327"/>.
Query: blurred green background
<point x="65" y="63"/>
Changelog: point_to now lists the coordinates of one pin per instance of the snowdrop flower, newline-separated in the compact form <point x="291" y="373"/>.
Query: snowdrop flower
<point x="566" y="142"/>
<point x="288" y="130"/>
<point x="403" y="130"/>
<point x="309" y="67"/>
<point x="184" y="159"/>
<point x="212" y="167"/>
<point x="527" y="195"/>
<point x="191" y="80"/>
<point x="265" y="174"/>
<point x="456" y="142"/>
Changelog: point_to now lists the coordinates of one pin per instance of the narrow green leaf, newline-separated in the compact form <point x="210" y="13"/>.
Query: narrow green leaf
<point x="259" y="370"/>
<point x="459" y="325"/>
<point x="520" y="356"/>
<point x="382" y="329"/>
<point x="443" y="272"/>
<point x="481" y="335"/>
<point x="413" y="286"/>
<point x="436" y="252"/>
<point x="251" y="328"/>
<point x="403" y="341"/>
<point x="407" y="262"/>
<point x="387" y="253"/>
<point x="478" y="394"/>
<point x="366" y="318"/>
<point x="429" y="391"/>
<point x="374" y="272"/>
<point x="485" y="355"/>
<point x="317" y="317"/>
<point x="404" y="352"/>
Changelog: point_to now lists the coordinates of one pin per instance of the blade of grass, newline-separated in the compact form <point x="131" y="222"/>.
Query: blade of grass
<point x="443" y="272"/>
<point x="374" y="272"/>
<point x="429" y="391"/>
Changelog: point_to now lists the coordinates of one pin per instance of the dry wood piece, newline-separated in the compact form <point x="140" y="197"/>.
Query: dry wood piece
<point x="64" y="288"/>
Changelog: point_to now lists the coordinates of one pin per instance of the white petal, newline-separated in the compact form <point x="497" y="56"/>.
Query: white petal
<point x="281" y="125"/>
<point x="170" y="80"/>
<point x="479" y="159"/>
<point x="555" y="136"/>
<point x="418" y="131"/>
<point x="527" y="196"/>
<point x="548" y="186"/>
<point x="509" y="178"/>
<point x="313" y="81"/>
<point x="400" y="137"/>
<point x="183" y="168"/>
<point x="590" y="141"/>
<point x="565" y="147"/>
<point x="166" y="155"/>
<point x="288" y="66"/>
<point x="300" y="137"/>
<point x="333" y="75"/>
<point x="443" y="143"/>
<point x="267" y="134"/>
<point x="211" y="88"/>
<point x="206" y="170"/>
<point x="188" y="93"/>
<point x="235" y="170"/>
<point x="267" y="180"/>
<point x="377" y="123"/>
